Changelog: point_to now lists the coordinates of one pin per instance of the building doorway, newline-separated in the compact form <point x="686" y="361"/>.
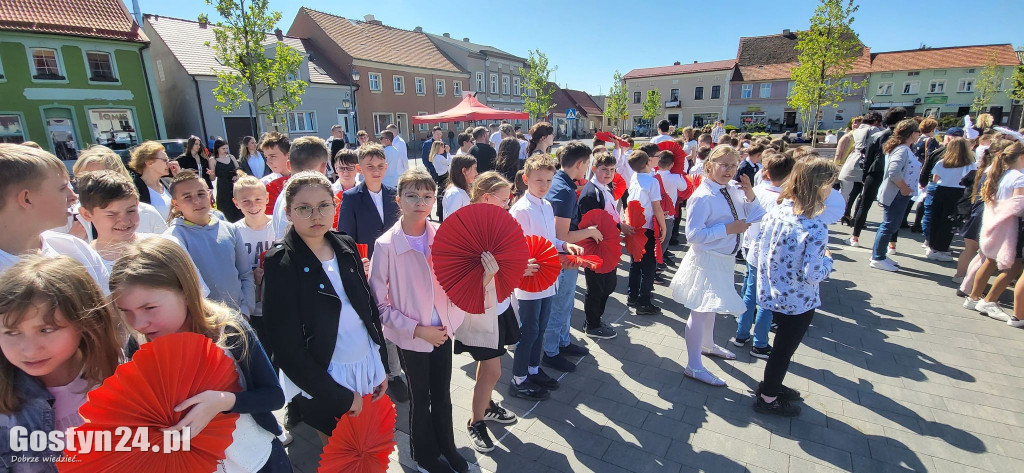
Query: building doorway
<point x="789" y="119"/>
<point x="236" y="128"/>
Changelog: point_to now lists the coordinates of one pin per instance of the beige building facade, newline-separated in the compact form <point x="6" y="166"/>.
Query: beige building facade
<point x="692" y="94"/>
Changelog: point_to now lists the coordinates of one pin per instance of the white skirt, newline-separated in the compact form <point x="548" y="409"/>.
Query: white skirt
<point x="705" y="282"/>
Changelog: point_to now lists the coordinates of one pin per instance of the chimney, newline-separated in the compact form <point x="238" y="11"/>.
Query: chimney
<point x="465" y="39"/>
<point x="418" y="29"/>
<point x="370" y="18"/>
<point x="675" y="63"/>
<point x="203" y="21"/>
<point x="695" y="62"/>
<point x="279" y="34"/>
<point x="447" y="35"/>
<point x="787" y="33"/>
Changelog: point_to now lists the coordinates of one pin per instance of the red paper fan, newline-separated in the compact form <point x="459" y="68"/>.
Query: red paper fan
<point x="590" y="262"/>
<point x="362" y="444"/>
<point x="458" y="244"/>
<point x="618" y="186"/>
<point x="678" y="155"/>
<point x="609" y="248"/>
<point x="609" y="137"/>
<point x="635" y="218"/>
<point x="363" y="250"/>
<point x="546" y="255"/>
<point x="692" y="181"/>
<point x="142" y="394"/>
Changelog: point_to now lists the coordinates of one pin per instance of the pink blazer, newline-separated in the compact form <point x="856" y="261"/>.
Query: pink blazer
<point x="998" y="238"/>
<point x="406" y="290"/>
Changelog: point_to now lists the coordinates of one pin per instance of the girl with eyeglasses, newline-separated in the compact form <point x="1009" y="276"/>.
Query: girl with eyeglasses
<point x="321" y="322"/>
<point x="420" y="320"/>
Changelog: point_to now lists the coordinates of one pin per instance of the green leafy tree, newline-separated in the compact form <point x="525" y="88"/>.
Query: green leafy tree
<point x="260" y="73"/>
<point x="1016" y="91"/>
<point x="651" y="108"/>
<point x="538" y="89"/>
<point x="987" y="86"/>
<point x="826" y="53"/>
<point x="618" y="101"/>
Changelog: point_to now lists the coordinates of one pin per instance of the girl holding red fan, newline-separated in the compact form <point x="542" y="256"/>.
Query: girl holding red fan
<point x="322" y="324"/>
<point x="461" y="172"/>
<point x="59" y="341"/>
<point x="155" y="287"/>
<point x="420" y="319"/>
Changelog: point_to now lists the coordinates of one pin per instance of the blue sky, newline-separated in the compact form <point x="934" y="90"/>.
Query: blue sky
<point x="588" y="41"/>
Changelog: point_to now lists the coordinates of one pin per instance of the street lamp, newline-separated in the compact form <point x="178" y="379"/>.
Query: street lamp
<point x="355" y="116"/>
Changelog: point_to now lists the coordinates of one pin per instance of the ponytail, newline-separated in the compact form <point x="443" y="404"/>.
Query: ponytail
<point x="1000" y="164"/>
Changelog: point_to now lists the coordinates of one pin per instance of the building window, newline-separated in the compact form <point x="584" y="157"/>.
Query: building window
<point x="421" y="86"/>
<point x="636" y="97"/>
<point x="301" y="122"/>
<point x="479" y="81"/>
<point x="399" y="84"/>
<point x="374" y="82"/>
<point x="913" y="73"/>
<point x="457" y="88"/>
<point x="439" y="86"/>
<point x="965" y="85"/>
<point x="839" y="116"/>
<point x="885" y="88"/>
<point x="970" y="71"/>
<point x="698" y="93"/>
<point x="937" y="86"/>
<point x="746" y="91"/>
<point x="494" y="83"/>
<point x="516" y="87"/>
<point x="506" y="85"/>
<point x="160" y="70"/>
<point x="101" y="67"/>
<point x="45" y="64"/>
<point x="11" y="129"/>
<point x="748" y="118"/>
<point x="381" y="121"/>
<point x="766" y="90"/>
<point x="911" y="87"/>
<point x="673" y="95"/>
<point x="113" y="127"/>
<point x="1" y="71"/>
<point x="423" y="126"/>
<point x="716" y="91"/>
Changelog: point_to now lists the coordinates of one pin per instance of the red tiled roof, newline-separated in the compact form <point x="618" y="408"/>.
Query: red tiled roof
<point x="937" y="58"/>
<point x="107" y="19"/>
<point x="680" y="69"/>
<point x="584" y="101"/>
<point x="861" y="65"/>
<point x="380" y="43"/>
<point x="187" y="41"/>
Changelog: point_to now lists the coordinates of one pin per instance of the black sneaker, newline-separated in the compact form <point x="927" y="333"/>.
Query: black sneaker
<point x="960" y="293"/>
<point x="456" y="461"/>
<point x="673" y="241"/>
<point x="481" y="439"/>
<point x="543" y="380"/>
<point x="773" y="327"/>
<point x="527" y="390"/>
<point x="648" y="309"/>
<point x="558" y="362"/>
<point x="668" y="259"/>
<point x="789" y="394"/>
<point x="574" y="350"/>
<point x="779" y="407"/>
<point x="659" y="279"/>
<point x="603" y="332"/>
<point x="398" y="390"/>
<point x="761" y="352"/>
<point x="433" y="466"/>
<point x="292" y="417"/>
<point x="662" y="266"/>
<point x="497" y="413"/>
<point x="630" y="302"/>
<point x="739" y="341"/>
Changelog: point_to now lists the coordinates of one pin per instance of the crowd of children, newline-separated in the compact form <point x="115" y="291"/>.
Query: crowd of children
<point x="275" y="275"/>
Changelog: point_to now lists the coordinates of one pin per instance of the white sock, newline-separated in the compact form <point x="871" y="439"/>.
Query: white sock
<point x="533" y="369"/>
<point x="518" y="379"/>
<point x="696" y="324"/>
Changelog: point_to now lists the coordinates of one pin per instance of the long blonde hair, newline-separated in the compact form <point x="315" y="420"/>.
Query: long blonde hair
<point x="1001" y="162"/>
<point x="810" y="176"/>
<point x="63" y="284"/>
<point x="163" y="264"/>
<point x="435" y="149"/>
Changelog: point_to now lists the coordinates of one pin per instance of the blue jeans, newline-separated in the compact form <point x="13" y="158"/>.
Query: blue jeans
<point x="760" y="318"/>
<point x="929" y="198"/>
<point x="534" y="316"/>
<point x="891" y="218"/>
<point x="557" y="334"/>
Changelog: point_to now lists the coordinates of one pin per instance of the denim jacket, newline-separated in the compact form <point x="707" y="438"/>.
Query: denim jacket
<point x="36" y="414"/>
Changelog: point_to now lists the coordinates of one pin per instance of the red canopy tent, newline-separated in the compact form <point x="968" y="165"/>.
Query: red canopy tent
<point x="470" y="109"/>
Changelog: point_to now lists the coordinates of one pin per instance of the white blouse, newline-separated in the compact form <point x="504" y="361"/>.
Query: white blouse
<point x="454" y="199"/>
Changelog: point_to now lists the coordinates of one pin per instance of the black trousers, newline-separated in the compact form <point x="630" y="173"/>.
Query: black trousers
<point x="867" y="199"/>
<point x="599" y="288"/>
<point x="943" y="208"/>
<point x="855" y="189"/>
<point x="679" y="218"/>
<point x="430" y="401"/>
<point x="641" y="273"/>
<point x="788" y="335"/>
<point x="441" y="181"/>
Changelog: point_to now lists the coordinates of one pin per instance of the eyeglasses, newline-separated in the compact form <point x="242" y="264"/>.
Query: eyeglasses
<point x="504" y="203"/>
<point x="416" y="200"/>
<point x="305" y="211"/>
<point x="346" y="169"/>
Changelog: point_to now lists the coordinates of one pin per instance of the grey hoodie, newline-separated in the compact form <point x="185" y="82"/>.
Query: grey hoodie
<point x="220" y="256"/>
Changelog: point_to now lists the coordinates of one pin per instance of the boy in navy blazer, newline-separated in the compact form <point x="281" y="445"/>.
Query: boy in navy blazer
<point x="369" y="209"/>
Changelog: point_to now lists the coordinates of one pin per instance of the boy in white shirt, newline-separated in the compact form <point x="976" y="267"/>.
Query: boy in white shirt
<point x="644" y="188"/>
<point x="776" y="168"/>
<point x="35" y="194"/>
<point x="673" y="184"/>
<point x="255" y="231"/>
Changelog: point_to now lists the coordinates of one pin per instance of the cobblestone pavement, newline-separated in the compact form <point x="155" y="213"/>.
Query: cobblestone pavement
<point x="896" y="376"/>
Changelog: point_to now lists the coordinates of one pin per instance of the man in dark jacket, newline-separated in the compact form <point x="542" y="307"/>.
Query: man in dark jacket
<point x="483" y="151"/>
<point x="874" y="169"/>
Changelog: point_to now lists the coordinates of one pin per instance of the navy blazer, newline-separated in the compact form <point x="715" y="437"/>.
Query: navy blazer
<point x="358" y="217"/>
<point x="590" y="198"/>
<point x="425" y="158"/>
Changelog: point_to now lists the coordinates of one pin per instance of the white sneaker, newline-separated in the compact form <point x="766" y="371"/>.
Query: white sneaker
<point x="924" y="245"/>
<point x="884" y="265"/>
<point x="971" y="304"/>
<point x="958" y="279"/>
<point x="892" y="261"/>
<point x="1015" y="322"/>
<point x="285" y="438"/>
<point x="938" y="255"/>
<point x="891" y="251"/>
<point x="852" y="242"/>
<point x="993" y="310"/>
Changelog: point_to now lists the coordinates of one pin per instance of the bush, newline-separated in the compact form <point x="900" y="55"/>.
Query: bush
<point x="729" y="128"/>
<point x="949" y="121"/>
<point x="755" y="127"/>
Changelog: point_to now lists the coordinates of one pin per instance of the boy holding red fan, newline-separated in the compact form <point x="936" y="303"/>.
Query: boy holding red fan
<point x="644" y="188"/>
